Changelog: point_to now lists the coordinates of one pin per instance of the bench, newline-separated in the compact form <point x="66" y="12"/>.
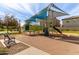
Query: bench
<point x="9" y="41"/>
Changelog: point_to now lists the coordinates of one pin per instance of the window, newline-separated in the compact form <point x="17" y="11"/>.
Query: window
<point x="67" y="21"/>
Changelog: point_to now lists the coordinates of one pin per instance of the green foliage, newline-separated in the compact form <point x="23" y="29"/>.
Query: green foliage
<point x="36" y="28"/>
<point x="9" y="23"/>
<point x="27" y="27"/>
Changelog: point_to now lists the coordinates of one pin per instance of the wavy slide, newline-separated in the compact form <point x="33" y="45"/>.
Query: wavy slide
<point x="57" y="29"/>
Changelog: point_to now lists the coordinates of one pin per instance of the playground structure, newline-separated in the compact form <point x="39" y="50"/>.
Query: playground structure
<point x="48" y="17"/>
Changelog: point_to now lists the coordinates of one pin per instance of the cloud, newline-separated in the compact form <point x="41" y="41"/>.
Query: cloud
<point x="26" y="7"/>
<point x="2" y="13"/>
<point x="62" y="5"/>
<point x="22" y="7"/>
<point x="75" y="10"/>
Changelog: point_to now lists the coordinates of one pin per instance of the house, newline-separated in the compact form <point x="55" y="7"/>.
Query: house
<point x="71" y="23"/>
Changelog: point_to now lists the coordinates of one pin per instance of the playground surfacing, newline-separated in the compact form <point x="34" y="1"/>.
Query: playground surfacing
<point x="18" y="47"/>
<point x="51" y="45"/>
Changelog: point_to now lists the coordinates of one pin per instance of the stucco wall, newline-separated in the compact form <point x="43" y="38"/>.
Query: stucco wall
<point x="71" y="24"/>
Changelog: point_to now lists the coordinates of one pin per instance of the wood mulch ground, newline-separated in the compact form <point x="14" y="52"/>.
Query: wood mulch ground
<point x="17" y="48"/>
<point x="14" y="49"/>
<point x="70" y="39"/>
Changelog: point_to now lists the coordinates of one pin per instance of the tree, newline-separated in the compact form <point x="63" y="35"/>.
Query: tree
<point x="27" y="25"/>
<point x="1" y="24"/>
<point x="10" y="22"/>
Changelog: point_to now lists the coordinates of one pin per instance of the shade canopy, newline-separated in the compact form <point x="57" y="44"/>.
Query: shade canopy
<point x="43" y="14"/>
<point x="32" y="19"/>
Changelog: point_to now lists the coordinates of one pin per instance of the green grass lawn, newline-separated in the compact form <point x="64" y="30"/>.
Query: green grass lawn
<point x="74" y="32"/>
<point x="2" y="32"/>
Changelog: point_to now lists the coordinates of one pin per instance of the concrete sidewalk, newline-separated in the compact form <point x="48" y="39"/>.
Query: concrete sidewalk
<point x="32" y="51"/>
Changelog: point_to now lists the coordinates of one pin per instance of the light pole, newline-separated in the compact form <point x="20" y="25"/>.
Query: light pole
<point x="19" y="26"/>
<point x="7" y="27"/>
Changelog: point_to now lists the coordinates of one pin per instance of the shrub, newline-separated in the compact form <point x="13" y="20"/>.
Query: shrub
<point x="36" y="28"/>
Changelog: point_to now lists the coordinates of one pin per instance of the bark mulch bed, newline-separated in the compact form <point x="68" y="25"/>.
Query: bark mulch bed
<point x="17" y="48"/>
<point x="13" y="49"/>
<point x="70" y="39"/>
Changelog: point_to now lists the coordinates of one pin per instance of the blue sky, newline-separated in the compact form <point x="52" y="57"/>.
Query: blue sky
<point x="23" y="11"/>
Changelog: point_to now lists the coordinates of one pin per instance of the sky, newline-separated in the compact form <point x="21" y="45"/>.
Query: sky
<point x="23" y="11"/>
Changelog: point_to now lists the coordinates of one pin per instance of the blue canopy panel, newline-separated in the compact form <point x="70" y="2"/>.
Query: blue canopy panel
<point x="33" y="19"/>
<point x="43" y="14"/>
